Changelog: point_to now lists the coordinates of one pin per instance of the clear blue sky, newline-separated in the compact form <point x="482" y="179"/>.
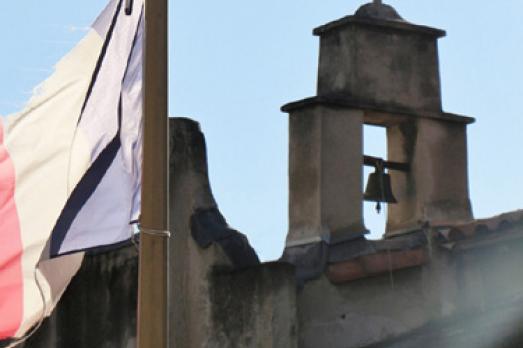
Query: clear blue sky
<point x="234" y="63"/>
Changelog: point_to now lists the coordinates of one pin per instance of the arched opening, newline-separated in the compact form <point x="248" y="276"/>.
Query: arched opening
<point x="374" y="144"/>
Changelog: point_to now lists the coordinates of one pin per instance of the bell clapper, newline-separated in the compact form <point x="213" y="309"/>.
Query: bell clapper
<point x="378" y="207"/>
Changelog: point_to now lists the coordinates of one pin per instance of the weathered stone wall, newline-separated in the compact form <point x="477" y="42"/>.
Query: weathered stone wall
<point x="255" y="307"/>
<point x="363" y="311"/>
<point x="221" y="295"/>
<point x="467" y="296"/>
<point x="99" y="307"/>
<point x="380" y="64"/>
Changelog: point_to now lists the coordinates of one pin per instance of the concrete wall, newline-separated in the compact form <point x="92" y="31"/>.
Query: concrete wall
<point x="380" y="64"/>
<point x="99" y="307"/>
<point x="435" y="189"/>
<point x="221" y="296"/>
<point x="255" y="308"/>
<point x="361" y="312"/>
<point x="325" y="174"/>
<point x="475" y="289"/>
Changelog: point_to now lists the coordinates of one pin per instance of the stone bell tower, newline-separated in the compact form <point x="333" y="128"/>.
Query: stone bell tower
<point x="377" y="69"/>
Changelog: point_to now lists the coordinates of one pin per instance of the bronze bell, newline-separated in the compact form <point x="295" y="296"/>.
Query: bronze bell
<point x="379" y="188"/>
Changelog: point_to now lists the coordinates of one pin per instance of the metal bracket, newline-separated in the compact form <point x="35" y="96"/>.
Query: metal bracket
<point x="374" y="161"/>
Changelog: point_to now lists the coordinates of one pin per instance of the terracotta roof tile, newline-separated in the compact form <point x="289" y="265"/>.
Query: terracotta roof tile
<point x="363" y="258"/>
<point x="375" y="264"/>
<point x="481" y="228"/>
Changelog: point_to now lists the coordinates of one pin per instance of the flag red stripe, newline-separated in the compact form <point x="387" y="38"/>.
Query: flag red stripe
<point x="11" y="279"/>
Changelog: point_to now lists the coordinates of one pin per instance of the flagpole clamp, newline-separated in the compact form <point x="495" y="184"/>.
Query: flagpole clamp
<point x="153" y="232"/>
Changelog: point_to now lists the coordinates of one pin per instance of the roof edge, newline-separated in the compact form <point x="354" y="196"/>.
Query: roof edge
<point x="351" y="103"/>
<point x="379" y="23"/>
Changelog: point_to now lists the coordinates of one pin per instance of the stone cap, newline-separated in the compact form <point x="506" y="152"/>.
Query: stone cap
<point x="378" y="10"/>
<point x="352" y="103"/>
<point x="380" y="16"/>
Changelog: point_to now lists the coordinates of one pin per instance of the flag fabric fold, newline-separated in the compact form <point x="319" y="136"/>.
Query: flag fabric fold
<point x="70" y="167"/>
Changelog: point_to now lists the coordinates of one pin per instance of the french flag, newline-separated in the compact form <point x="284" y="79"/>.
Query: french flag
<point x="70" y="167"/>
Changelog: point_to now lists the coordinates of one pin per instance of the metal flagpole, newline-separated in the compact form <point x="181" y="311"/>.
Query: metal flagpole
<point x="153" y="269"/>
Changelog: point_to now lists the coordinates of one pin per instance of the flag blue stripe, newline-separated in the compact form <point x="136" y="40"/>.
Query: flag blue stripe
<point x="92" y="178"/>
